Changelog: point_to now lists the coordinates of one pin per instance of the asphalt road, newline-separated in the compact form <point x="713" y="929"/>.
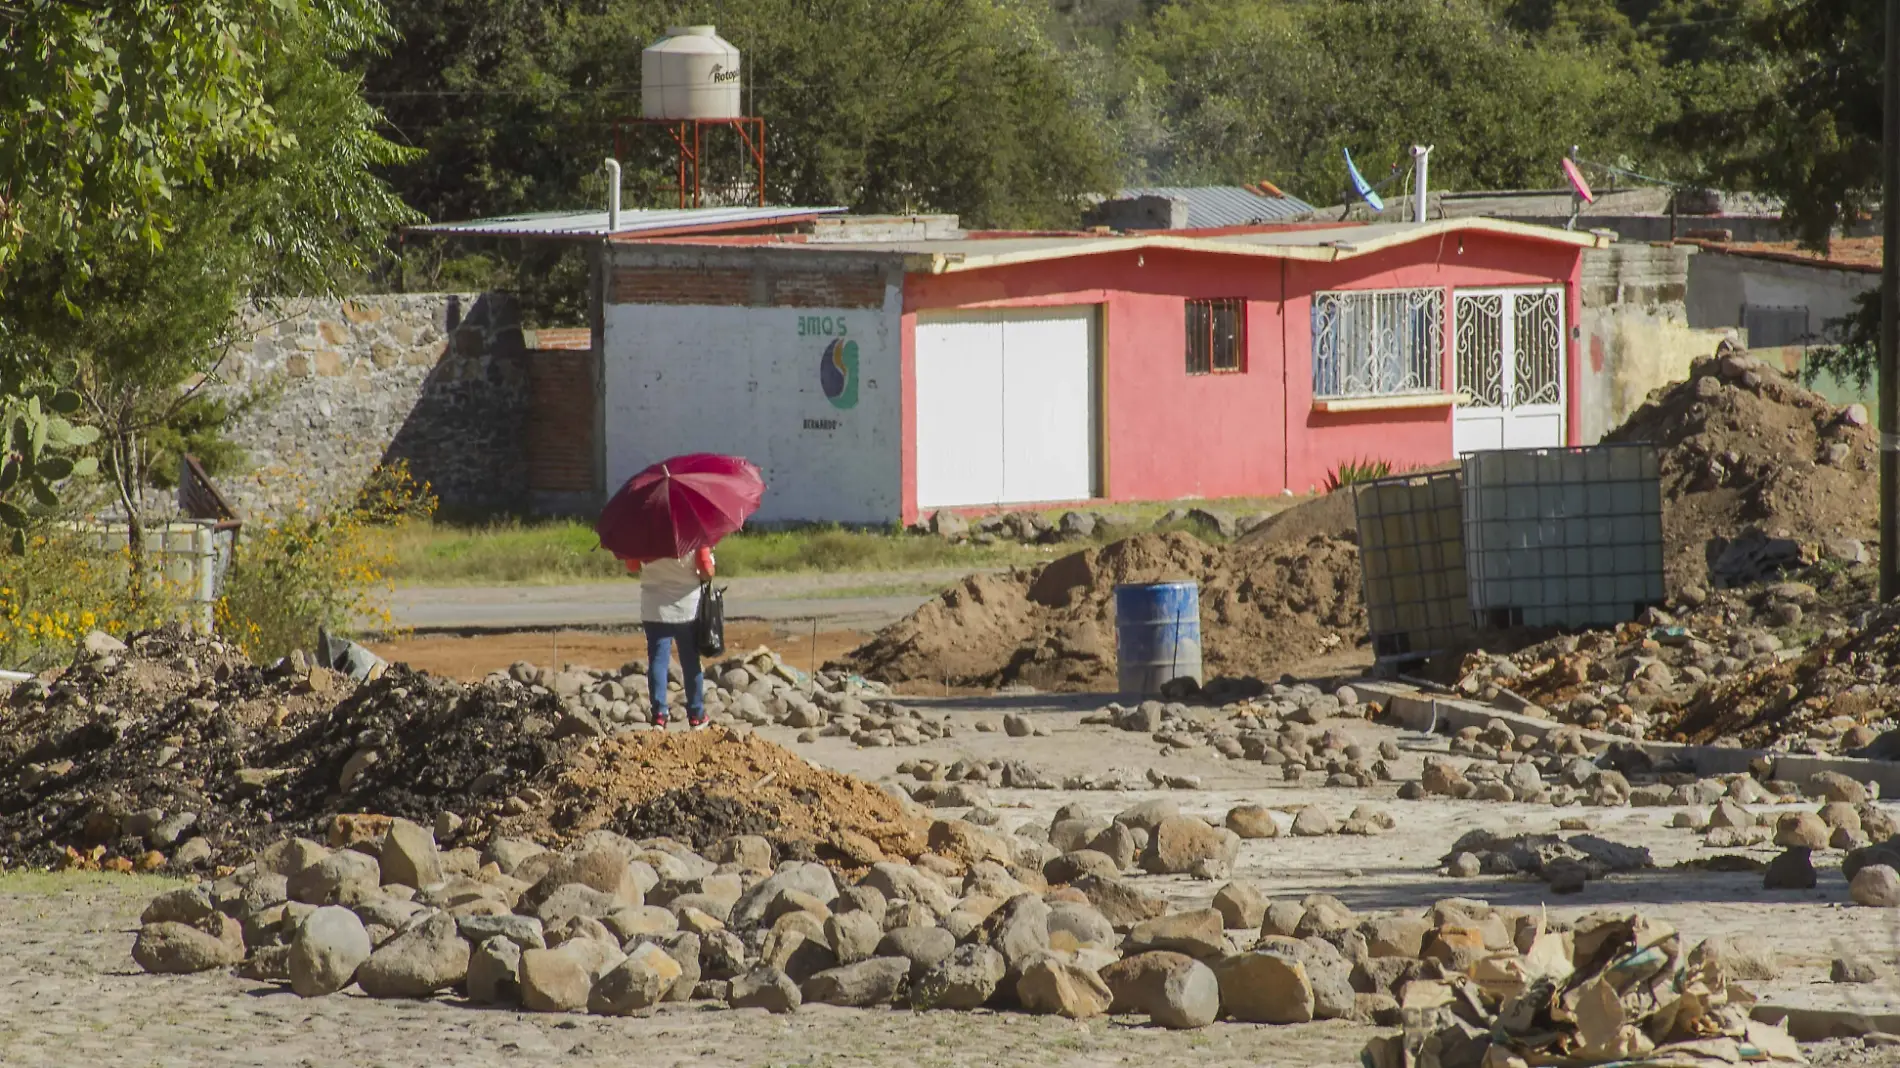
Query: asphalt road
<point x="474" y="609"/>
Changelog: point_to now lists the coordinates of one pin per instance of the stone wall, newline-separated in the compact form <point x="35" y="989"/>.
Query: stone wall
<point x="437" y="379"/>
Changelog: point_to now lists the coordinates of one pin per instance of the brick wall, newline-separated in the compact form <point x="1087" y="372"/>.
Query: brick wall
<point x="560" y="426"/>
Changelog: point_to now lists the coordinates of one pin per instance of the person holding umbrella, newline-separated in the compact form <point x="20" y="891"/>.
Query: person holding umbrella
<point x="663" y="524"/>
<point x="669" y="614"/>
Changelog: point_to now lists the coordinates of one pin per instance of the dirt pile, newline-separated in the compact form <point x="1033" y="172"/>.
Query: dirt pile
<point x="703" y="786"/>
<point x="179" y="745"/>
<point x="1838" y="696"/>
<point x="1742" y="448"/>
<point x="1714" y="670"/>
<point x="177" y="752"/>
<point x="1265" y="607"/>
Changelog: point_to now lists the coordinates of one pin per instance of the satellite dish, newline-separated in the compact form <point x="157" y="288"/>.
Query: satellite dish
<point x="1359" y="185"/>
<point x="1577" y="183"/>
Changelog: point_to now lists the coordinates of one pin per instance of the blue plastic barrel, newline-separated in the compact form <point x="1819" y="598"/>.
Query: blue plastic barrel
<point x="1157" y="635"/>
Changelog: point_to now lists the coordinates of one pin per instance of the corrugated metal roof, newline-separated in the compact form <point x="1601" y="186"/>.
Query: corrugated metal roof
<point x="1326" y="244"/>
<point x="1225" y="205"/>
<point x="576" y="224"/>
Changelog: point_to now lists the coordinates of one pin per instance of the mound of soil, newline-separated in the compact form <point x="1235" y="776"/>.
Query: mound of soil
<point x="702" y="786"/>
<point x="1743" y="447"/>
<point x="1265" y="606"/>
<point x="183" y="728"/>
<point x="1329" y="515"/>
<point x="1849" y="677"/>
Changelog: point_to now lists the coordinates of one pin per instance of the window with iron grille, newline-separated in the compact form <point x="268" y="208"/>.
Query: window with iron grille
<point x="1377" y="343"/>
<point x="1216" y="336"/>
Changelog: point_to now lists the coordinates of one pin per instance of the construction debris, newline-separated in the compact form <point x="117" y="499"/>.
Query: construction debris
<point x="1616" y="989"/>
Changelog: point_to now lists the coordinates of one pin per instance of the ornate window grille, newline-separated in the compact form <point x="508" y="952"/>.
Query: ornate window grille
<point x="1378" y="342"/>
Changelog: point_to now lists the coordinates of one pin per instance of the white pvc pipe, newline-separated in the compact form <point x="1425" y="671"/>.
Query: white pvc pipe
<point x="1421" y="169"/>
<point x="613" y="195"/>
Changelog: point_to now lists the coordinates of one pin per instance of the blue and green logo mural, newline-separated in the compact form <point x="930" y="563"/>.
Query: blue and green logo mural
<point x="838" y="373"/>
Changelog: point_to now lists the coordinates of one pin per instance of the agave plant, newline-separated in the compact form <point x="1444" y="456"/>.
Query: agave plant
<point x="1351" y="471"/>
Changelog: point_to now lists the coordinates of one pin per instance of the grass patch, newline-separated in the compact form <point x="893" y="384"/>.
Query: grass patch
<point x="60" y="882"/>
<point x="560" y="551"/>
<point x="555" y="552"/>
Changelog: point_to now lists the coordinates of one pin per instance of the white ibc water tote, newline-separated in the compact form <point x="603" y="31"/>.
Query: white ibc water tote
<point x="691" y="73"/>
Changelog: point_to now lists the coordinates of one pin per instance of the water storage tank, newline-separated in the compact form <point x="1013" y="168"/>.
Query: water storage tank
<point x="691" y="73"/>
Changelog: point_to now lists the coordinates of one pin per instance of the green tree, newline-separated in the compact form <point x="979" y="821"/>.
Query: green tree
<point x="1256" y="89"/>
<point x="144" y="316"/>
<point x="876" y="105"/>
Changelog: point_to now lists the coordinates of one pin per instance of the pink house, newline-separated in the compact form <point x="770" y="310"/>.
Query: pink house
<point x="878" y="380"/>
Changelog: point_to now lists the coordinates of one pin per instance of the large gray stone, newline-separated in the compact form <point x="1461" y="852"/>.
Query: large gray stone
<point x="328" y="948"/>
<point x="187" y="904"/>
<point x="765" y="988"/>
<point x="636" y="984"/>
<point x="1122" y="902"/>
<point x="179" y="948"/>
<point x="901" y="882"/>
<point x="339" y="878"/>
<point x="523" y="931"/>
<point x="1242" y="907"/>
<point x="430" y="956"/>
<point x="806" y="878"/>
<point x="1172" y="989"/>
<point x="494" y="972"/>
<point x="1074" y="926"/>
<point x="924" y="947"/>
<point x="1876" y="886"/>
<point x="1181" y="844"/>
<point x="966" y="979"/>
<point x="409" y="856"/>
<point x="1053" y="986"/>
<point x="1200" y="933"/>
<point x="868" y="982"/>
<point x="1264" y="987"/>
<point x="1019" y="930"/>
<point x="854" y="936"/>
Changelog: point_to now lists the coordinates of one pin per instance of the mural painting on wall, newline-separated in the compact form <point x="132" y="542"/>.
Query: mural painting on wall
<point x="837" y="365"/>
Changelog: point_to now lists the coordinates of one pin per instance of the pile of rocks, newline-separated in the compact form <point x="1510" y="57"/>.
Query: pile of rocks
<point x="1297" y="728"/>
<point x="1646" y="680"/>
<point x="1031" y="528"/>
<point x="1565" y="863"/>
<point x="757" y="689"/>
<point x="1615" y="988"/>
<point x="616" y="927"/>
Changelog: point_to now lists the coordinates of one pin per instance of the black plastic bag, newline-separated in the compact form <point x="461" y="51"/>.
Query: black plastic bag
<point x="709" y="627"/>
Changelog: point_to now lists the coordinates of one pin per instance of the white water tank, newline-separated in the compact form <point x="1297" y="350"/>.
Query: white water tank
<point x="691" y="73"/>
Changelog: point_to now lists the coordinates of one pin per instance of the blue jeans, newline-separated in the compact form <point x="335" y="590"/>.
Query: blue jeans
<point x="661" y="638"/>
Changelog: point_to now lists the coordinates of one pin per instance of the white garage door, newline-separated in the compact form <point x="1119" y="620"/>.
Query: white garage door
<point x="1006" y="407"/>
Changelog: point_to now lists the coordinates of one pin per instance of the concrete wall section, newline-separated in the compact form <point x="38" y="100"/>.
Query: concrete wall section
<point x="758" y="353"/>
<point x="1636" y="332"/>
<point x="1720" y="284"/>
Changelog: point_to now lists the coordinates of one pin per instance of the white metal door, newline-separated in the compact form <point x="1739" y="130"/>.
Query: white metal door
<point x="1509" y="368"/>
<point x="1006" y="407"/>
<point x="959" y="412"/>
<point x="1049" y="405"/>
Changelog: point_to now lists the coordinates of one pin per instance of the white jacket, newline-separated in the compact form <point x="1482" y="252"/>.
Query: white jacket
<point x="669" y="591"/>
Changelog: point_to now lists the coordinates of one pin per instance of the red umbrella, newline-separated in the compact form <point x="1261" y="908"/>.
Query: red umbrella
<point x="680" y="505"/>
